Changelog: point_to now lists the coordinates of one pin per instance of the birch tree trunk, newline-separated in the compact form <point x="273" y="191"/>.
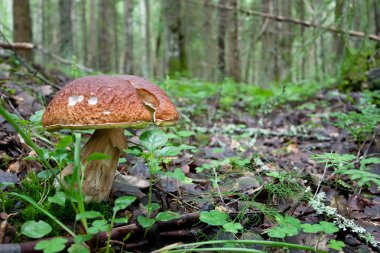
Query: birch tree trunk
<point x="22" y="26"/>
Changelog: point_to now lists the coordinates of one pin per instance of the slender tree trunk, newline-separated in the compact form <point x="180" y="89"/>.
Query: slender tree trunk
<point x="43" y="29"/>
<point x="115" y="35"/>
<point x="376" y="11"/>
<point x="128" y="60"/>
<point x="65" y="28"/>
<point x="208" y="42"/>
<point x="339" y="40"/>
<point x="93" y="54"/>
<point x="301" y="11"/>
<point x="222" y="22"/>
<point x="22" y="26"/>
<point x="267" y="49"/>
<point x="234" y="65"/>
<point x="84" y="32"/>
<point x="287" y="42"/>
<point x="104" y="45"/>
<point x="148" y="38"/>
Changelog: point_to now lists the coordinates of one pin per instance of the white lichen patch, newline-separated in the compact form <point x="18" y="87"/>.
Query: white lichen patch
<point x="106" y="112"/>
<point x="73" y="100"/>
<point x="93" y="101"/>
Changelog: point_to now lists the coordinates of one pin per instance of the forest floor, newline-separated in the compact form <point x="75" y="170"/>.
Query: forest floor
<point x="262" y="166"/>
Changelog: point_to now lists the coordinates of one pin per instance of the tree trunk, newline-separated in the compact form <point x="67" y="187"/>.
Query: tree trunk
<point x="104" y="45"/>
<point x="84" y="32"/>
<point x="234" y="61"/>
<point x="208" y="69"/>
<point x="339" y="40"/>
<point x="65" y="28"/>
<point x="93" y="54"/>
<point x="148" y="38"/>
<point x="222" y="22"/>
<point x="128" y="60"/>
<point x="301" y="11"/>
<point x="267" y="48"/>
<point x="22" y="26"/>
<point x="286" y="42"/>
<point x="115" y="19"/>
<point x="376" y="10"/>
<point x="177" y="57"/>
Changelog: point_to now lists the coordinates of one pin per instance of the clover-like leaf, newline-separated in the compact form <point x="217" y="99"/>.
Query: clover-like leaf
<point x="329" y="227"/>
<point x="312" y="228"/>
<point x="337" y="245"/>
<point x="180" y="176"/>
<point x="214" y="217"/>
<point x="78" y="248"/>
<point x="232" y="227"/>
<point x="34" y="229"/>
<point x="98" y="226"/>
<point x="51" y="246"/>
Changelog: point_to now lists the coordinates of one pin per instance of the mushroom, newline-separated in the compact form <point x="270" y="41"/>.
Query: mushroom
<point x="107" y="104"/>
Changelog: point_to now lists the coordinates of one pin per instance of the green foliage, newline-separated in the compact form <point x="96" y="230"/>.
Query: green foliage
<point x="218" y="218"/>
<point x="34" y="229"/>
<point x="336" y="245"/>
<point x="360" y="125"/>
<point x="345" y="164"/>
<point x="51" y="246"/>
<point x="323" y="226"/>
<point x="287" y="226"/>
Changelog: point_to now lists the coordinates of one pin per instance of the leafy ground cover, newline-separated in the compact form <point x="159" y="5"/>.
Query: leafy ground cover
<point x="295" y="166"/>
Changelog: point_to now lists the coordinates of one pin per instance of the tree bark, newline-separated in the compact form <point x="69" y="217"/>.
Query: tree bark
<point x="22" y="26"/>
<point x="177" y="56"/>
<point x="93" y="54"/>
<point x="65" y="28"/>
<point x="286" y="42"/>
<point x="128" y="55"/>
<point x="234" y="65"/>
<point x="104" y="45"/>
<point x="222" y="22"/>
<point x="376" y="10"/>
<point x="148" y="38"/>
<point x="267" y="49"/>
<point x="339" y="40"/>
<point x="115" y="19"/>
<point x="84" y="32"/>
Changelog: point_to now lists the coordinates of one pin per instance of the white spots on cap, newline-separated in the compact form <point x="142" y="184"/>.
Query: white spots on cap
<point x="73" y="100"/>
<point x="106" y="112"/>
<point x="93" y="101"/>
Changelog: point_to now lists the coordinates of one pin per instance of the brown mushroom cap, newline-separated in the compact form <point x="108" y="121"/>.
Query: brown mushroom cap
<point x="156" y="98"/>
<point x="96" y="102"/>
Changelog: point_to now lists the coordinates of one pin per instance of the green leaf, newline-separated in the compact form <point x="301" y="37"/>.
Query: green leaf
<point x="59" y="198"/>
<point x="134" y="150"/>
<point x="166" y="216"/>
<point x="98" y="156"/>
<point x="98" y="226"/>
<point x="179" y="175"/>
<point x="232" y="227"/>
<point x="51" y="246"/>
<point x="123" y="202"/>
<point x="214" y="217"/>
<point x="185" y="133"/>
<point x="277" y="232"/>
<point x="168" y="151"/>
<point x="329" y="227"/>
<point x="82" y="238"/>
<point x="153" y="139"/>
<point x="121" y="220"/>
<point x="152" y="207"/>
<point x="46" y="174"/>
<point x="64" y="142"/>
<point x="312" y="228"/>
<point x="145" y="222"/>
<point x="78" y="248"/>
<point x="337" y="245"/>
<point x="34" y="229"/>
<point x="88" y="215"/>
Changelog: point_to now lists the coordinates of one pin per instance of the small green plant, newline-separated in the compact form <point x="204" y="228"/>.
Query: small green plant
<point x="345" y="164"/>
<point x="221" y="219"/>
<point x="360" y="125"/>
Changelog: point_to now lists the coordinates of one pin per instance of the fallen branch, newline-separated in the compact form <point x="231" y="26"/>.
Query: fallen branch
<point x="333" y="29"/>
<point x="17" y="45"/>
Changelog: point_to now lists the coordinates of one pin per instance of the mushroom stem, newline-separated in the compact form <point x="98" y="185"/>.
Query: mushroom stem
<point x="99" y="174"/>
